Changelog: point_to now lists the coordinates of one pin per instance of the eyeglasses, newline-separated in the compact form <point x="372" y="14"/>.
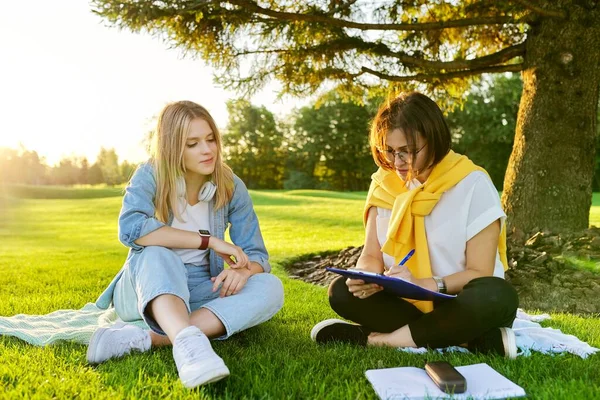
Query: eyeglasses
<point x="402" y="155"/>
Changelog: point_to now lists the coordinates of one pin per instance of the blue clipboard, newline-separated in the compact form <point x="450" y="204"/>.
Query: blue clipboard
<point x="400" y="287"/>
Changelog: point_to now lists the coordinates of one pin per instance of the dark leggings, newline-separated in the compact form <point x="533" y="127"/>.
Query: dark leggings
<point x="483" y="304"/>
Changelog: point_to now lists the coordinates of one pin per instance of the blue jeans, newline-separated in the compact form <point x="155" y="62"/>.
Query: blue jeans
<point x="158" y="271"/>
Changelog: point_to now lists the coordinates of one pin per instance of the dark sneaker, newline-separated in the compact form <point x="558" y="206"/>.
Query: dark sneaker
<point x="499" y="340"/>
<point x="336" y="330"/>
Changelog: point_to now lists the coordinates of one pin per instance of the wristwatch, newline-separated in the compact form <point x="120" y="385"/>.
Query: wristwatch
<point x="205" y="236"/>
<point x="441" y="285"/>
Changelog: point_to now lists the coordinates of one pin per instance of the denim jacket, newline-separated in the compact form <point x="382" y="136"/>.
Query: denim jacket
<point x="137" y="219"/>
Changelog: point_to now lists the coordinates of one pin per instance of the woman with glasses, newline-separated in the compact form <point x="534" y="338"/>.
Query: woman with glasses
<point x="175" y="211"/>
<point x="428" y="198"/>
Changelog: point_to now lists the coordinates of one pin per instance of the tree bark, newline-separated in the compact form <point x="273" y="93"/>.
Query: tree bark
<point x="548" y="183"/>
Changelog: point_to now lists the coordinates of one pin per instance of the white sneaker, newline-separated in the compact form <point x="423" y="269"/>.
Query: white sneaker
<point x="196" y="361"/>
<point x="116" y="341"/>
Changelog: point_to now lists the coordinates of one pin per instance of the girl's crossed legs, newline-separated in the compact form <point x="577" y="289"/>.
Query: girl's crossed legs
<point x="177" y="303"/>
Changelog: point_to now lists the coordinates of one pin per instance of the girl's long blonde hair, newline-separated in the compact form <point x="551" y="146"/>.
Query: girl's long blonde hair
<point x="167" y="146"/>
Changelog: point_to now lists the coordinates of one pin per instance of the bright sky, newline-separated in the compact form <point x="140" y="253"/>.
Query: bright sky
<point x="70" y="85"/>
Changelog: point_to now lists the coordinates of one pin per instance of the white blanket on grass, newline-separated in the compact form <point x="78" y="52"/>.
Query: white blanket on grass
<point x="78" y="326"/>
<point x="63" y="325"/>
<point x="532" y="336"/>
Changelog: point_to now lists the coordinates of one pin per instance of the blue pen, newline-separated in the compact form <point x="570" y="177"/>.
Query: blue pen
<point x="405" y="259"/>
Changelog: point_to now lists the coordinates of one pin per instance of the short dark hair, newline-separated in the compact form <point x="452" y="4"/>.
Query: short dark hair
<point x="413" y="113"/>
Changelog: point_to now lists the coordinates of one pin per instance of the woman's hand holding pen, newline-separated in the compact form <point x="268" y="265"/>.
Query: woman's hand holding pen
<point x="233" y="255"/>
<point x="402" y="272"/>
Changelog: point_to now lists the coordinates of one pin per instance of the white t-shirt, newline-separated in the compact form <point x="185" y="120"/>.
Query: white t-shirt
<point x="195" y="217"/>
<point x="462" y="212"/>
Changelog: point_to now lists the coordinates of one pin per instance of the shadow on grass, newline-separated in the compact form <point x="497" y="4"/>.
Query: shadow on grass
<point x="62" y="192"/>
<point x="297" y="197"/>
<point x="328" y="194"/>
<point x="288" y="262"/>
<point x="264" y="198"/>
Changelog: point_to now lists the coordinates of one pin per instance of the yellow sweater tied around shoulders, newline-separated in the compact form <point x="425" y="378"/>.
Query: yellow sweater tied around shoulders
<point x="406" y="229"/>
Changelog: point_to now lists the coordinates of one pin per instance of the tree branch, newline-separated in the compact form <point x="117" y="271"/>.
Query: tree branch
<point x="499" y="57"/>
<point x="381" y="49"/>
<point x="341" y="23"/>
<point x="541" y="11"/>
<point x="444" y="76"/>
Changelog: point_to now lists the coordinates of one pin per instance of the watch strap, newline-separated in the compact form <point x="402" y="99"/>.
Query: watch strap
<point x="441" y="285"/>
<point x="204" y="241"/>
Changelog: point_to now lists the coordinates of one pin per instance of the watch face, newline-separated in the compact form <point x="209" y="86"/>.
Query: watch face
<point x="204" y="232"/>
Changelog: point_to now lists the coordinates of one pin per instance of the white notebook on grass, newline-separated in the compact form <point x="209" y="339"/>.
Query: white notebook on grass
<point x="483" y="382"/>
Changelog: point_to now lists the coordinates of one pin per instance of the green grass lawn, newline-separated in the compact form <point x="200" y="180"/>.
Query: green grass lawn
<point x="61" y="252"/>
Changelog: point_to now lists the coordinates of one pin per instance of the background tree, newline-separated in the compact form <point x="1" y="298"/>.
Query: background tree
<point x="484" y="127"/>
<point x="84" y="170"/>
<point x="66" y="172"/>
<point x="22" y="166"/>
<point x="108" y="162"/>
<point x="7" y="164"/>
<point x="253" y="145"/>
<point x="387" y="45"/>
<point x="127" y="169"/>
<point x="331" y="143"/>
<point x="95" y="176"/>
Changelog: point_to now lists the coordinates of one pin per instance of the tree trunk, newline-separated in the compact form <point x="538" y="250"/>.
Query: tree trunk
<point x="548" y="183"/>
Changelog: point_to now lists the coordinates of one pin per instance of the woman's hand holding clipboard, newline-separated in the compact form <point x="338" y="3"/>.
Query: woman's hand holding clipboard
<point x="393" y="282"/>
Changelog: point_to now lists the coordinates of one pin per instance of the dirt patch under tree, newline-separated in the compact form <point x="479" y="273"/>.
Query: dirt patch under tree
<point x="539" y="269"/>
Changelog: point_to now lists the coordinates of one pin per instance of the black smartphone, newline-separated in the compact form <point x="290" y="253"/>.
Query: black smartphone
<point x="446" y="377"/>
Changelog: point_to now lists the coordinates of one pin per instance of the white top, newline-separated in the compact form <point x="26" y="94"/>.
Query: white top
<point x="462" y="212"/>
<point x="196" y="217"/>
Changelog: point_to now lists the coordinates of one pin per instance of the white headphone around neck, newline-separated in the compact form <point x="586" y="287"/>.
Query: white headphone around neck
<point x="206" y="193"/>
